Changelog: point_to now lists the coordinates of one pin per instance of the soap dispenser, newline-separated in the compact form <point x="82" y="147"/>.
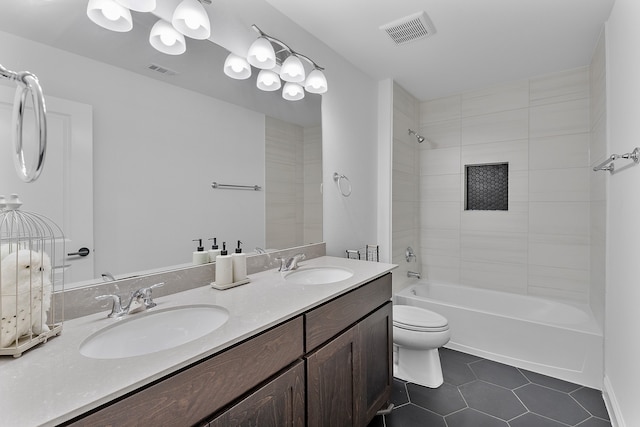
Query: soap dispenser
<point x="224" y="267"/>
<point x="239" y="264"/>
<point x="214" y="251"/>
<point x="200" y="256"/>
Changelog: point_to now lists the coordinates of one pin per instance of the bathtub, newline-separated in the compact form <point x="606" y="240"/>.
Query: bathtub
<point x="548" y="337"/>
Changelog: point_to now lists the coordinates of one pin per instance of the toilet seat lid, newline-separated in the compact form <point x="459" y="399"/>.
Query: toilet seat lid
<point x="418" y="319"/>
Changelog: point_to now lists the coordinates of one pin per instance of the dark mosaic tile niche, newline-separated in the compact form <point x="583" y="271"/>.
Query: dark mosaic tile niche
<point x="487" y="187"/>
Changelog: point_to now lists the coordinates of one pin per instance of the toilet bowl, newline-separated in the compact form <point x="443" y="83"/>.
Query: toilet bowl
<point x="417" y="335"/>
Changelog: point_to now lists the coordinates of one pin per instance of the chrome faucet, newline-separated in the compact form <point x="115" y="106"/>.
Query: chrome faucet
<point x="146" y="295"/>
<point x="288" y="264"/>
<point x="409" y="254"/>
<point x="142" y="296"/>
<point x="413" y="274"/>
<point x="108" y="277"/>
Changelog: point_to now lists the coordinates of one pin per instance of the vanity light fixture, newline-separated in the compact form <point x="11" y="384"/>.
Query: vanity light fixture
<point x="316" y="82"/>
<point x="277" y="62"/>
<point x="165" y="38"/>
<point x="292" y="91"/>
<point x="192" y="20"/>
<point x="261" y="54"/>
<point x="189" y="19"/>
<point x="110" y="15"/>
<point x="237" y="67"/>
<point x="292" y="69"/>
<point x="268" y="80"/>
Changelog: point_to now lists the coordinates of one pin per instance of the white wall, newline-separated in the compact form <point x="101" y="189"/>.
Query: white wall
<point x="349" y="147"/>
<point x="622" y="346"/>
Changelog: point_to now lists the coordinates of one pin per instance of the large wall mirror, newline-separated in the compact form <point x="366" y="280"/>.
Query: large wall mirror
<point x="137" y="138"/>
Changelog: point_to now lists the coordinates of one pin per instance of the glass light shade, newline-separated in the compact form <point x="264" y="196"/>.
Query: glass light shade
<point x="237" y="67"/>
<point x="261" y="54"/>
<point x="110" y="15"/>
<point x="139" y="5"/>
<point x="316" y="82"/>
<point x="166" y="39"/>
<point x="292" y="91"/>
<point x="268" y="80"/>
<point x="292" y="70"/>
<point x="192" y="20"/>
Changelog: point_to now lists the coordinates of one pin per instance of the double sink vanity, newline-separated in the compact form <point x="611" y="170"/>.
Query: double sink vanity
<point x="312" y="346"/>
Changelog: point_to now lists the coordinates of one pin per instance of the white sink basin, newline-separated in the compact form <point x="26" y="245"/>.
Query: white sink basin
<point x="154" y="331"/>
<point x="318" y="275"/>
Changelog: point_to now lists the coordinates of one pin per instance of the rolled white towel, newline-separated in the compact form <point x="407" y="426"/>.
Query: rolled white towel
<point x="26" y="294"/>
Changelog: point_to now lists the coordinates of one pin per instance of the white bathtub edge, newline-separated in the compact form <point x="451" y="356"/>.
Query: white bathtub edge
<point x="578" y="358"/>
<point x="611" y="402"/>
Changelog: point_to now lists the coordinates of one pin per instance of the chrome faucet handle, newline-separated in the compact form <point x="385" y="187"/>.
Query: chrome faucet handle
<point x="116" y="308"/>
<point x="146" y="294"/>
<point x="292" y="263"/>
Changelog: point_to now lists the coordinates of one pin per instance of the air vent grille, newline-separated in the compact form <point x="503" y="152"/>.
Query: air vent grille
<point x="410" y="28"/>
<point x="162" y="70"/>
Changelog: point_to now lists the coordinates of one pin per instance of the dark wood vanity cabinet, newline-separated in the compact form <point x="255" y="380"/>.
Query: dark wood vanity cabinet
<point x="331" y="366"/>
<point x="192" y="395"/>
<point x="349" y="378"/>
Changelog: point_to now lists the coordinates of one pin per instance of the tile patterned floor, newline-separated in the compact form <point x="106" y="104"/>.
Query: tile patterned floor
<point x="482" y="393"/>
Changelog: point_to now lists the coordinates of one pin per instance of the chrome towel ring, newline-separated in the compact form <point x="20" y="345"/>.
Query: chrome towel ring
<point x="339" y="179"/>
<point x="27" y="85"/>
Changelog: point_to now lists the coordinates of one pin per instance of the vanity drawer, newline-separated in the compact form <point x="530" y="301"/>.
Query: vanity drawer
<point x="328" y="320"/>
<point x="195" y="393"/>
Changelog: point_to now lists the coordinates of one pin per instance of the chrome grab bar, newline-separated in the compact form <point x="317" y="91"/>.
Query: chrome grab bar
<point x="27" y="84"/>
<point x="238" y="187"/>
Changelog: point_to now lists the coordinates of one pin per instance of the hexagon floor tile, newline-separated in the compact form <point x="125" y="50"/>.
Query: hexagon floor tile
<point x="482" y="393"/>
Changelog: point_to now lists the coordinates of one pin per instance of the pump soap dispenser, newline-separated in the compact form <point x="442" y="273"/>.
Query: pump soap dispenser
<point x="239" y="264"/>
<point x="224" y="267"/>
<point x="214" y="251"/>
<point x="200" y="256"/>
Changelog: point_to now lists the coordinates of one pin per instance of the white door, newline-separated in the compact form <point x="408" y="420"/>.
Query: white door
<point x="64" y="190"/>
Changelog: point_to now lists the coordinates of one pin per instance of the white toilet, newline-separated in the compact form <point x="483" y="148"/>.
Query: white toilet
<point x="417" y="334"/>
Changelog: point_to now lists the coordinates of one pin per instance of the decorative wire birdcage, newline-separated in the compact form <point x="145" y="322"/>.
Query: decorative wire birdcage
<point x="30" y="246"/>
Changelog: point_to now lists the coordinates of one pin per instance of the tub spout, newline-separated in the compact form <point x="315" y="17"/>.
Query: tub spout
<point x="413" y="274"/>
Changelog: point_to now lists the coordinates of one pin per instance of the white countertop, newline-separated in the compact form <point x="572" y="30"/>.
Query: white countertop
<point x="53" y="382"/>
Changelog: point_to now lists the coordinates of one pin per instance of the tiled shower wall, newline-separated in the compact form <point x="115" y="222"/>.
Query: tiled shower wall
<point x="541" y="245"/>
<point x="598" y="208"/>
<point x="405" y="190"/>
<point x="312" y="217"/>
<point x="292" y="184"/>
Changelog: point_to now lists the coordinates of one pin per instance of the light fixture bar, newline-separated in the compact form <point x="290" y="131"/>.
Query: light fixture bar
<point x="284" y="45"/>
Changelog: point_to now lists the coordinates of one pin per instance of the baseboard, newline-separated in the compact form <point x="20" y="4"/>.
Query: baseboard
<point x="611" y="403"/>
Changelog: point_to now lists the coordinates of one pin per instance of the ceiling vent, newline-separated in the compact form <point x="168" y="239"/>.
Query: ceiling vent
<point x="409" y="28"/>
<point x="162" y="70"/>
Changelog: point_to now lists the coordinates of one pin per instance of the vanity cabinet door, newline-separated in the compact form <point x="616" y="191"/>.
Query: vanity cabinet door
<point x="349" y="379"/>
<point x="376" y="343"/>
<point x="280" y="403"/>
<point x="333" y="382"/>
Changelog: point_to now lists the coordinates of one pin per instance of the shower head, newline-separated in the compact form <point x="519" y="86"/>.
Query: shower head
<point x="418" y="137"/>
